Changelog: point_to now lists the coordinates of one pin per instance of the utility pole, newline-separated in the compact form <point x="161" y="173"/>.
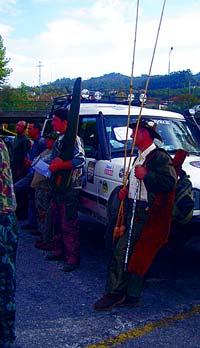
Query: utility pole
<point x="170" y="51"/>
<point x="40" y="66"/>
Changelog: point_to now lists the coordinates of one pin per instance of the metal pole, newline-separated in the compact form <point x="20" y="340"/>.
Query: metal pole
<point x="130" y="232"/>
<point x="171" y="49"/>
<point x="40" y="66"/>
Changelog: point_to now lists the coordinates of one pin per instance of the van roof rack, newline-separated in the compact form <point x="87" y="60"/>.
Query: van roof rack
<point x="99" y="97"/>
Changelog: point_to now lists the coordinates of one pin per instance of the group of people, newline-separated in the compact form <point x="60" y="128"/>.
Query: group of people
<point x="52" y="215"/>
<point x="148" y="197"/>
<point x="19" y="179"/>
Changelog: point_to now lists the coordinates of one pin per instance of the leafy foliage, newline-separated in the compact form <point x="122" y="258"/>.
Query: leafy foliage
<point x="21" y="99"/>
<point x="4" y="71"/>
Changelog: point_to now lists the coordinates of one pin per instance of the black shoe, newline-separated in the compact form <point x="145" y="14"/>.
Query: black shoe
<point x="35" y="232"/>
<point x="53" y="258"/>
<point x="108" y="301"/>
<point x="28" y="227"/>
<point x="46" y="247"/>
<point x="38" y="243"/>
<point x="68" y="267"/>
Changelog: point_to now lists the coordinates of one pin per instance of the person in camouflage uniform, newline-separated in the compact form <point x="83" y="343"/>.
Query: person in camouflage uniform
<point x="43" y="199"/>
<point x="8" y="248"/>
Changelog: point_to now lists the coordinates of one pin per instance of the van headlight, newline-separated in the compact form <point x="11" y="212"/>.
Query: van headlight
<point x="196" y="196"/>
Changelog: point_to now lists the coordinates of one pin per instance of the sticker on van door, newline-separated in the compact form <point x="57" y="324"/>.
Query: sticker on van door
<point x="105" y="187"/>
<point x="108" y="169"/>
<point x="121" y="173"/>
<point x="90" y="172"/>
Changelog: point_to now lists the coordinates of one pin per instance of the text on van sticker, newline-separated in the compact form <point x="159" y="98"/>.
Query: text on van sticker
<point x="108" y="169"/>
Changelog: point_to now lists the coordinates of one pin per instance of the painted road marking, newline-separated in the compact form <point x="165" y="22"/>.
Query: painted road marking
<point x="143" y="330"/>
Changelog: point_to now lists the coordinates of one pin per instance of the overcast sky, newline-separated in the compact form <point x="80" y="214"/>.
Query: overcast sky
<point x="90" y="38"/>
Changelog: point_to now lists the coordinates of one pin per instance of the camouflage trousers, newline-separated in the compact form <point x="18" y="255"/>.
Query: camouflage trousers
<point x="43" y="207"/>
<point x="8" y="248"/>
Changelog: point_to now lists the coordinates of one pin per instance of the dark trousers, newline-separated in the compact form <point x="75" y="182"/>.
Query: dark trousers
<point x="23" y="192"/>
<point x="64" y="208"/>
<point x="119" y="280"/>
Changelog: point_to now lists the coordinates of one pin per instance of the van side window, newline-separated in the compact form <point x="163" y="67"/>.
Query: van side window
<point x="89" y="135"/>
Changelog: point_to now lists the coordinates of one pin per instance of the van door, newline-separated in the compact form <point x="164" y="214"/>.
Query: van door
<point x="89" y="135"/>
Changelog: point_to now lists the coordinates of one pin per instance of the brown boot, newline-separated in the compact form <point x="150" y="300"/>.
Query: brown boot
<point x="70" y="267"/>
<point x="53" y="257"/>
<point x="108" y="301"/>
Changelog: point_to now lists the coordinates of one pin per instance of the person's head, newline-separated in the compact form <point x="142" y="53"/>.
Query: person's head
<point x="21" y="127"/>
<point x="146" y="133"/>
<point x="59" y="122"/>
<point x="50" y="139"/>
<point x="34" y="130"/>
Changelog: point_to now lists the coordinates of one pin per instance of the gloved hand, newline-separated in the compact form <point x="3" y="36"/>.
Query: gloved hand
<point x="19" y="172"/>
<point x="57" y="163"/>
<point x="140" y="172"/>
<point x="27" y="162"/>
<point x="123" y="194"/>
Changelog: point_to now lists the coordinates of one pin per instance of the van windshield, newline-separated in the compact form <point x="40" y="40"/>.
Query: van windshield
<point x="176" y="134"/>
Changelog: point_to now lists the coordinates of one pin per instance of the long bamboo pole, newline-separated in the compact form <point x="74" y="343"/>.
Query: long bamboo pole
<point x="120" y="228"/>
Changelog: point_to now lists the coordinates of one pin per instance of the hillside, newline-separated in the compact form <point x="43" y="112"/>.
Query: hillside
<point x="117" y="82"/>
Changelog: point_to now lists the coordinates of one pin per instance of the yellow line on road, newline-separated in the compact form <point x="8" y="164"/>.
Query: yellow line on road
<point x="141" y="331"/>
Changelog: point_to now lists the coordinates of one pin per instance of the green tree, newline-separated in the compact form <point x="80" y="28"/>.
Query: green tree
<point x="4" y="71"/>
<point x="185" y="101"/>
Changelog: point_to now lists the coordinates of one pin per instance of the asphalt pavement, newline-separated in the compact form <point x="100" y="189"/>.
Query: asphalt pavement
<point x="54" y="309"/>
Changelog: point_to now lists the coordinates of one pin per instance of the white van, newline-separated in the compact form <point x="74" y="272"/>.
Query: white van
<point x="102" y="126"/>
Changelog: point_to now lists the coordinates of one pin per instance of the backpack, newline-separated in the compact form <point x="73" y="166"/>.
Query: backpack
<point x="184" y="202"/>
